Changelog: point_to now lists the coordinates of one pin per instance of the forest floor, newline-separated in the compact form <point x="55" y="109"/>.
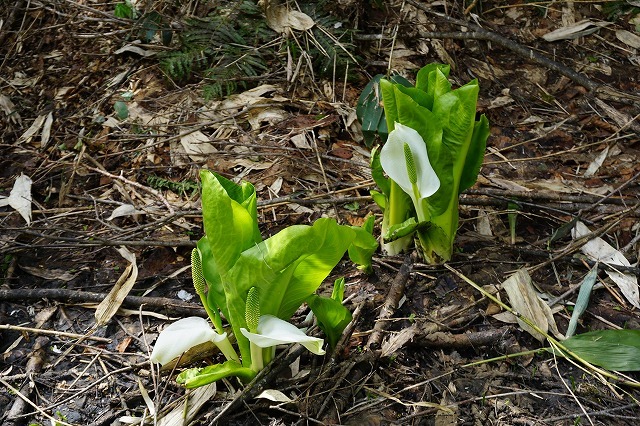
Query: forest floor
<point x="113" y="146"/>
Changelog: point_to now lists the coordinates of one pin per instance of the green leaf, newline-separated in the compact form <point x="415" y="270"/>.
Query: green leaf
<point x="379" y="199"/>
<point x="400" y="230"/>
<point x="370" y="111"/>
<point x="426" y="79"/>
<point x="123" y="10"/>
<point x="337" y="293"/>
<point x="332" y="316"/>
<point x="287" y="268"/>
<point x="196" y="377"/>
<point x="378" y="174"/>
<point x="475" y="154"/>
<point x="582" y="302"/>
<point x="121" y="109"/>
<point x="617" y="350"/>
<point x="229" y="212"/>
<point x="364" y="245"/>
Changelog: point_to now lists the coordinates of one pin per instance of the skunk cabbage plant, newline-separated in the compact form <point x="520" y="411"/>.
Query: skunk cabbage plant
<point x="434" y="152"/>
<point x="256" y="284"/>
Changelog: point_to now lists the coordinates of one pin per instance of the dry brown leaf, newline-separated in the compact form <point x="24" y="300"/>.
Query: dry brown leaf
<point x="526" y="302"/>
<point x="33" y="129"/>
<point x="197" y="146"/>
<point x="628" y="38"/>
<point x="182" y="414"/>
<point x="109" y="306"/>
<point x="282" y="20"/>
<point x="9" y="110"/>
<point x="398" y="340"/>
<point x="574" y="31"/>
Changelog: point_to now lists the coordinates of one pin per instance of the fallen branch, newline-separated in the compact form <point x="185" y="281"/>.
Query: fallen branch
<point x="166" y="304"/>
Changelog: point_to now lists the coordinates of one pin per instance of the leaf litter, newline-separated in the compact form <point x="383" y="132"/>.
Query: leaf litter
<point x="59" y="126"/>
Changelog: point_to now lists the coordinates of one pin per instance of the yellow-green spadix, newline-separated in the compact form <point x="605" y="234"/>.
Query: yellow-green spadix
<point x="405" y="160"/>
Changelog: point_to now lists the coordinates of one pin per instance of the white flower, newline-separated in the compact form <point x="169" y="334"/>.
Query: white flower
<point x="273" y="331"/>
<point x="394" y="161"/>
<point x="181" y="336"/>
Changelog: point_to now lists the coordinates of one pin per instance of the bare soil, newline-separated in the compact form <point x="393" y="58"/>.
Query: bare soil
<point x="556" y="108"/>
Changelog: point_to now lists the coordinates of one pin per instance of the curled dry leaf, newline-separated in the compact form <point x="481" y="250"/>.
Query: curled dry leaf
<point x="20" y="197"/>
<point x="110" y="305"/>
<point x="574" y="31"/>
<point x="526" y="302"/>
<point x="281" y="19"/>
<point x="599" y="250"/>
<point x="124" y="210"/>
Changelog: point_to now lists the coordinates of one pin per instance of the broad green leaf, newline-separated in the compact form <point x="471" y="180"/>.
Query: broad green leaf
<point x="286" y="268"/>
<point x="441" y="86"/>
<point x="332" y="316"/>
<point x="364" y="245"/>
<point x="196" y="377"/>
<point x="475" y="154"/>
<point x="215" y="291"/>
<point x="456" y="111"/>
<point x="582" y="302"/>
<point x="426" y="79"/>
<point x="379" y="198"/>
<point x="370" y="111"/>
<point x="411" y="114"/>
<point x="389" y="100"/>
<point x="230" y="219"/>
<point x="617" y="350"/>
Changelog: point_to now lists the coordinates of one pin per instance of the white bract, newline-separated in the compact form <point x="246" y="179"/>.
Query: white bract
<point x="422" y="181"/>
<point x="181" y="336"/>
<point x="273" y="331"/>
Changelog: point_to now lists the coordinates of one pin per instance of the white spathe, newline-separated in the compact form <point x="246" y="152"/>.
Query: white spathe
<point x="273" y="331"/>
<point x="394" y="164"/>
<point x="181" y="336"/>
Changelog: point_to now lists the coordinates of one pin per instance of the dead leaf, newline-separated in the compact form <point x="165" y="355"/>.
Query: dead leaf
<point x="183" y="414"/>
<point x="197" y="146"/>
<point x="628" y="38"/>
<point x="109" y="306"/>
<point x="282" y="20"/>
<point x="527" y="303"/>
<point x="597" y="162"/>
<point x="20" y="197"/>
<point x="574" y="31"/>
<point x="124" y="210"/>
<point x="483" y="224"/>
<point x="601" y="251"/>
<point x="9" y="110"/>
<point x="398" y="340"/>
<point x="300" y="141"/>
<point x="33" y="129"/>
<point x="46" y="130"/>
<point x="50" y="274"/>
<point x="274" y="395"/>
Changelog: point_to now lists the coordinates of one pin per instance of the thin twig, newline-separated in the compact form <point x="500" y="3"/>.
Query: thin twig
<point x="53" y="332"/>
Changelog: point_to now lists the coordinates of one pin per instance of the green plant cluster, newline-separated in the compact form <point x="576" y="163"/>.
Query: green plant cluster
<point x="233" y="45"/>
<point x="184" y="187"/>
